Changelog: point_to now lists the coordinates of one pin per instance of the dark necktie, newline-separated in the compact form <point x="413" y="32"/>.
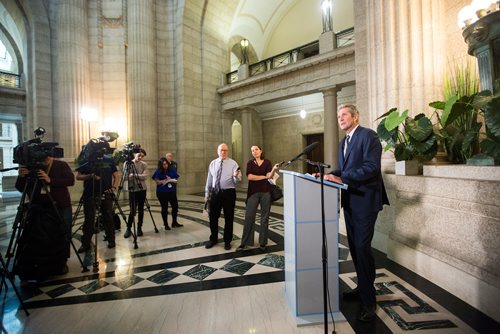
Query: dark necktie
<point x="217" y="179"/>
<point x="346" y="144"/>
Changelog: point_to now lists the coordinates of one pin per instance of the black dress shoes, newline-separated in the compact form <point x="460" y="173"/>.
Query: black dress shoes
<point x="227" y="246"/>
<point x="351" y="295"/>
<point x="210" y="244"/>
<point x="367" y="313"/>
<point x="127" y="234"/>
<point x="177" y="225"/>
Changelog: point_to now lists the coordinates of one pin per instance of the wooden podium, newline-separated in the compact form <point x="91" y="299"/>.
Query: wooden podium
<point x="303" y="241"/>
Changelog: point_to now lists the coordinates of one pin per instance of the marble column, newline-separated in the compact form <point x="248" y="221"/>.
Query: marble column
<point x="246" y="135"/>
<point x="331" y="129"/>
<point x="142" y="111"/>
<point x="402" y="45"/>
<point x="72" y="49"/>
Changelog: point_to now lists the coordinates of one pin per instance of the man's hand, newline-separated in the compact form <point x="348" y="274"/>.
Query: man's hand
<point x="23" y="171"/>
<point x="42" y="175"/>
<point x="332" y="178"/>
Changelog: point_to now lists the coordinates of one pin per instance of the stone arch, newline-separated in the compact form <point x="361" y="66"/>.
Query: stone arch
<point x="27" y="22"/>
<point x="234" y="47"/>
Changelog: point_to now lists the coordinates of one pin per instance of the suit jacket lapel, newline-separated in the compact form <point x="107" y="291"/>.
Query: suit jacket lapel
<point x="351" y="144"/>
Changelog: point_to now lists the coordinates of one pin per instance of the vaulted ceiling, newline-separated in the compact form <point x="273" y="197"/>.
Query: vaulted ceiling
<point x="275" y="26"/>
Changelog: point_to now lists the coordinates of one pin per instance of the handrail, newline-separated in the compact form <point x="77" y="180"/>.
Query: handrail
<point x="343" y="38"/>
<point x="10" y="80"/>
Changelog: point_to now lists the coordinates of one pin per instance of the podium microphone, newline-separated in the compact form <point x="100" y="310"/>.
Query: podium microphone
<point x="306" y="151"/>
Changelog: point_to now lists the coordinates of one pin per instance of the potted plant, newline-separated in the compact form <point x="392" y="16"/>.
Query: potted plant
<point x="460" y="126"/>
<point x="411" y="139"/>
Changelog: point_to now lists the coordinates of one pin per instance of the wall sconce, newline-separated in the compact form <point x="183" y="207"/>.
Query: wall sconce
<point x="244" y="51"/>
<point x="476" y="10"/>
<point x="326" y="9"/>
<point x="480" y="22"/>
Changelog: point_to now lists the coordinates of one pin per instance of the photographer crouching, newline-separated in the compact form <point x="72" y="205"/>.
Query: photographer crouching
<point x="100" y="180"/>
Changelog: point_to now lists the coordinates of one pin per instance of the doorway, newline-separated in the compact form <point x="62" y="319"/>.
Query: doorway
<point x="317" y="154"/>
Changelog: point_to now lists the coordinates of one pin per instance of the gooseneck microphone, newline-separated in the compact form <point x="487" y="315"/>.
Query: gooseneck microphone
<point x="306" y="151"/>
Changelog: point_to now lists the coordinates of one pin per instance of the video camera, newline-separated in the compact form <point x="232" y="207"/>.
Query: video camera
<point x="94" y="151"/>
<point x="129" y="149"/>
<point x="32" y="153"/>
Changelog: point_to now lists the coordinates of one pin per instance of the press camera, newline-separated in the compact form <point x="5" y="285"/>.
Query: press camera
<point x="32" y="153"/>
<point x="94" y="151"/>
<point x="129" y="149"/>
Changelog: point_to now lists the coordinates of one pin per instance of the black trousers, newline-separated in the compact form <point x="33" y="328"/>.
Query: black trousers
<point x="137" y="200"/>
<point x="165" y="198"/>
<point x="224" y="200"/>
<point x="360" y="227"/>
<point x="89" y="210"/>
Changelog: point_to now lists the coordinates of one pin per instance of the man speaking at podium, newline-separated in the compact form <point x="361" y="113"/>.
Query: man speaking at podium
<point x="359" y="167"/>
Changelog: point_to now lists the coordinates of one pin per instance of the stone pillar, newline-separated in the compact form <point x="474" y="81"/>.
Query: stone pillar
<point x="399" y="56"/>
<point x="243" y="71"/>
<point x="246" y="135"/>
<point x="327" y="42"/>
<point x="331" y="132"/>
<point x="72" y="74"/>
<point x="141" y="76"/>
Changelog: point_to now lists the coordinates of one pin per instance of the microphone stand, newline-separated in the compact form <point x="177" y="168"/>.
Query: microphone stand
<point x="324" y="255"/>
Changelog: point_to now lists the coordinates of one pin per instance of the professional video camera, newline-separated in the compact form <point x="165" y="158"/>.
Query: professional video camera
<point x="94" y="151"/>
<point x="32" y="153"/>
<point x="129" y="149"/>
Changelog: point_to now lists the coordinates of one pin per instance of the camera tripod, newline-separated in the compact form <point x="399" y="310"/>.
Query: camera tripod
<point x="129" y="168"/>
<point x="5" y="273"/>
<point x="92" y="204"/>
<point x="18" y="230"/>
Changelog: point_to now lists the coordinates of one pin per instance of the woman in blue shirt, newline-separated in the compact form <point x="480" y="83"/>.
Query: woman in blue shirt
<point x="165" y="177"/>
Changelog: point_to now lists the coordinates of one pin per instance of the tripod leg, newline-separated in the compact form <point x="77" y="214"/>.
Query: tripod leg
<point x="11" y="279"/>
<point x="149" y="210"/>
<point x="134" y="235"/>
<point x="75" y="216"/>
<point x="95" y="265"/>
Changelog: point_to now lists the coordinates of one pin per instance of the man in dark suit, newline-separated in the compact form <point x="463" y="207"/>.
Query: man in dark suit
<point x="359" y="167"/>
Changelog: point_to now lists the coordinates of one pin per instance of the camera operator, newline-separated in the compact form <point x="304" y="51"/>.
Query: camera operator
<point x="137" y="191"/>
<point x="99" y="184"/>
<point x="57" y="176"/>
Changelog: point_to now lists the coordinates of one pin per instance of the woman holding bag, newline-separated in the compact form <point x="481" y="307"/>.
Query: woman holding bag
<point x="259" y="171"/>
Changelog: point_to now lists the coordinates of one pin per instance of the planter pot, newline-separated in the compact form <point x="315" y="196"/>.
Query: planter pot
<point x="407" y="167"/>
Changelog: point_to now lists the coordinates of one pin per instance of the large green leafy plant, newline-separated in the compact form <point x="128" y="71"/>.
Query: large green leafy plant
<point x="460" y="123"/>
<point x="409" y="138"/>
<point x="490" y="107"/>
<point x="458" y="127"/>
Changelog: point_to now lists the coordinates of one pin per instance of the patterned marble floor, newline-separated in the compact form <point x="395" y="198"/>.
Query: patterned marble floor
<point x="114" y="295"/>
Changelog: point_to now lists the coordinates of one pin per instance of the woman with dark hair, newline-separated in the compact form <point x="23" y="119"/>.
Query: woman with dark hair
<point x="166" y="191"/>
<point x="259" y="171"/>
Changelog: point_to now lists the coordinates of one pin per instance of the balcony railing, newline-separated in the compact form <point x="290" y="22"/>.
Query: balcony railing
<point x="10" y="80"/>
<point x="343" y="38"/>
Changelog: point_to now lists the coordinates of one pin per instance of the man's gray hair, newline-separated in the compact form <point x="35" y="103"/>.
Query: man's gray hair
<point x="352" y="108"/>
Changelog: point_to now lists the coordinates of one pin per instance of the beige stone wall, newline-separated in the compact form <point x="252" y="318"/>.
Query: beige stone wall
<point x="285" y="135"/>
<point x="455" y="222"/>
<point x="202" y="55"/>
